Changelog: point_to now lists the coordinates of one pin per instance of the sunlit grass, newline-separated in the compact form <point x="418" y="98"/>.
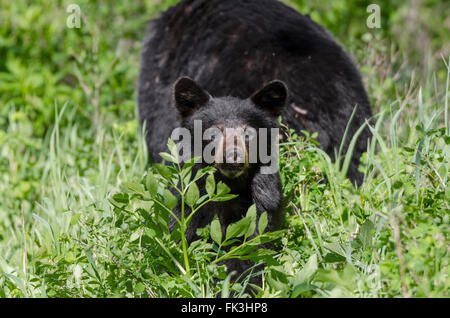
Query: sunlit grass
<point x="61" y="235"/>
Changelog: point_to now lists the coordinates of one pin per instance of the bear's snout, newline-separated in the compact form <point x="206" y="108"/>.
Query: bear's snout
<point x="231" y="158"/>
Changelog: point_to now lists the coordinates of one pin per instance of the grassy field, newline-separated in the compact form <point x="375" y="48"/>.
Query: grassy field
<point x="83" y="215"/>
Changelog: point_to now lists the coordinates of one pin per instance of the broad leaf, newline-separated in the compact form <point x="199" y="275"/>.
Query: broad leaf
<point x="192" y="195"/>
<point x="216" y="231"/>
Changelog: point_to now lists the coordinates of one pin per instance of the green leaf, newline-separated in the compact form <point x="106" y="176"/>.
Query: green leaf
<point x="164" y="171"/>
<point x="307" y="271"/>
<point x="173" y="148"/>
<point x="136" y="188"/>
<point x="135" y="235"/>
<point x="237" y="229"/>
<point x="186" y="175"/>
<point x="397" y="184"/>
<point x="152" y="184"/>
<point x="301" y="288"/>
<point x="263" y="221"/>
<point x="74" y="218"/>
<point x="204" y="232"/>
<point x="169" y="199"/>
<point x="345" y="278"/>
<point x="94" y="267"/>
<point x="229" y="242"/>
<point x="335" y="248"/>
<point x="259" y="255"/>
<point x="447" y="140"/>
<point x="140" y="288"/>
<point x="251" y="215"/>
<point x="202" y="198"/>
<point x="121" y="198"/>
<point x="224" y="197"/>
<point x="69" y="257"/>
<point x="267" y="237"/>
<point x="365" y="233"/>
<point x="210" y="185"/>
<point x="333" y="258"/>
<point x="192" y="195"/>
<point x="17" y="282"/>
<point x="443" y="171"/>
<point x="222" y="189"/>
<point x="226" y="286"/>
<point x="167" y="157"/>
<point x="216" y="231"/>
<point x="150" y="231"/>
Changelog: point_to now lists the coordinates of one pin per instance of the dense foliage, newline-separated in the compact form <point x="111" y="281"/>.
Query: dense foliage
<point x="83" y="215"/>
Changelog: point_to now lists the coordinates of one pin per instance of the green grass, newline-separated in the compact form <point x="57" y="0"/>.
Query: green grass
<point x="79" y="215"/>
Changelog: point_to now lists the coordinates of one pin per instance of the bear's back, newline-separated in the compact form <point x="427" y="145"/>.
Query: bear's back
<point x="238" y="43"/>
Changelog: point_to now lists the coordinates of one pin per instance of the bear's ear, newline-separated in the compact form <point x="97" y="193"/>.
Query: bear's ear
<point x="271" y="97"/>
<point x="189" y="96"/>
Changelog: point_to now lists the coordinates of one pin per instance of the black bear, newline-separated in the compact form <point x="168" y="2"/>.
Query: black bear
<point x="232" y="49"/>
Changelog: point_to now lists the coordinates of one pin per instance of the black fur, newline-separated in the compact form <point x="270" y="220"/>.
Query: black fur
<point x="231" y="49"/>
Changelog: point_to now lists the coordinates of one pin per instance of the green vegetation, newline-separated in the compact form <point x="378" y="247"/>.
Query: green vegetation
<point x="83" y="215"/>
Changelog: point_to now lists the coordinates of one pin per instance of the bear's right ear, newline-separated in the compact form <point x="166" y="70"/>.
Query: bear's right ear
<point x="272" y="97"/>
<point x="189" y="96"/>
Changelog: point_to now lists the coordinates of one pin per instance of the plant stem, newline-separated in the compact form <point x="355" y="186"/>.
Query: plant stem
<point x="183" y="235"/>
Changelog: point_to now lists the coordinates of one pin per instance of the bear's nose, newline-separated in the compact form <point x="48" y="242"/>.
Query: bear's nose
<point x="234" y="155"/>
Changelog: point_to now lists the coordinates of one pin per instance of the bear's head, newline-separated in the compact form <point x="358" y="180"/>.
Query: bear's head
<point x="236" y="136"/>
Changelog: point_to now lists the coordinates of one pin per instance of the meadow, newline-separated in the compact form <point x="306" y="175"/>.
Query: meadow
<point x="83" y="214"/>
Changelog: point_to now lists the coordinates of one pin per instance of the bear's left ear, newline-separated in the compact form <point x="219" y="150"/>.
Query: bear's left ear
<point x="189" y="96"/>
<point x="271" y="97"/>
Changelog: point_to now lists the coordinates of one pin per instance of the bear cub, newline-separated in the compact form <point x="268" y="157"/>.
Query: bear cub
<point x="246" y="128"/>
